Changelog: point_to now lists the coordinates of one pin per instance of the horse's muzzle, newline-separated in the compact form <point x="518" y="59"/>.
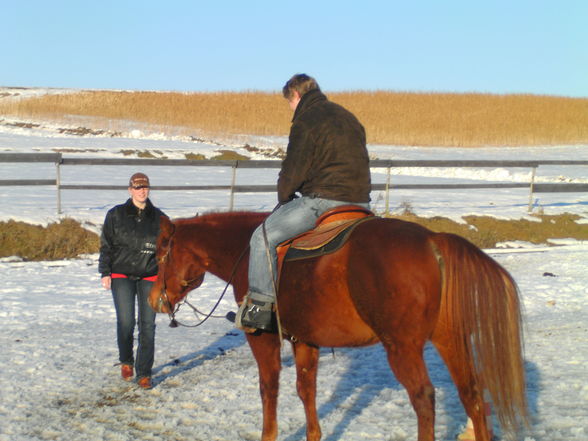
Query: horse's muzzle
<point x="160" y="304"/>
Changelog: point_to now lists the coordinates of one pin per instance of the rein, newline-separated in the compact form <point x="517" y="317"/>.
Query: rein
<point x="174" y="323"/>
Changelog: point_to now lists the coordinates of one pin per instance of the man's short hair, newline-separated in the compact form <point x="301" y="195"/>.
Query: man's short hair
<point x="300" y="83"/>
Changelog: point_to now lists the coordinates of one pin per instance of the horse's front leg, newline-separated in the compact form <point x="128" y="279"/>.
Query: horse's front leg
<point x="306" y="371"/>
<point x="266" y="350"/>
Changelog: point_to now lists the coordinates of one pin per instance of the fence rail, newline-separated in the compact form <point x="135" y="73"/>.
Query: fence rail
<point x="233" y="188"/>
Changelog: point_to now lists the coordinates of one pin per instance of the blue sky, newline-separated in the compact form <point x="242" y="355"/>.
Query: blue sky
<point x="491" y="46"/>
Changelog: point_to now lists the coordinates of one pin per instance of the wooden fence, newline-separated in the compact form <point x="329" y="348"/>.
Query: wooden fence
<point x="232" y="187"/>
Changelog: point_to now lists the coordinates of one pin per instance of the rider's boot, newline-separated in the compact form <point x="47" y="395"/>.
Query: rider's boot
<point x="254" y="314"/>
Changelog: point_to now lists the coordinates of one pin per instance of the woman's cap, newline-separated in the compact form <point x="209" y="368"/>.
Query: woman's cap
<point x="139" y="180"/>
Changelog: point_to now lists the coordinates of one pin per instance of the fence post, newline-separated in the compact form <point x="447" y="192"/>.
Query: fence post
<point x="387" y="206"/>
<point x="531" y="185"/>
<point x="58" y="182"/>
<point x="233" y="180"/>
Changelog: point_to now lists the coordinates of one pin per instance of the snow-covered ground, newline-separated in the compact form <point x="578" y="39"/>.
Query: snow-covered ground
<point x="58" y="381"/>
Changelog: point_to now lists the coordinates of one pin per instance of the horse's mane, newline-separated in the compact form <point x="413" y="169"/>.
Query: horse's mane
<point x="221" y="217"/>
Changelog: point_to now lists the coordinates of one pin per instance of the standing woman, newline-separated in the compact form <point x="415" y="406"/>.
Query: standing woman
<point x="128" y="266"/>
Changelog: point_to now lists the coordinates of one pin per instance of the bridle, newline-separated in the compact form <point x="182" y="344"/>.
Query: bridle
<point x="164" y="298"/>
<point x="163" y="292"/>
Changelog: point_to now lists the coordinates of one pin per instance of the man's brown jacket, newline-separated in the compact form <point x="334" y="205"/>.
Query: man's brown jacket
<point x="327" y="155"/>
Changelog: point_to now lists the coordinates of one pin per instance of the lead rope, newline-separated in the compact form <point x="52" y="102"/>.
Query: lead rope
<point x="271" y="267"/>
<point x="174" y="323"/>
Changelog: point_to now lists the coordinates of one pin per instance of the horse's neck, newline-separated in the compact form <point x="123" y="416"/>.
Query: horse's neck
<point x="226" y="241"/>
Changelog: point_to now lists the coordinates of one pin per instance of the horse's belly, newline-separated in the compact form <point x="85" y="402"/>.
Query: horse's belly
<point x="343" y="338"/>
<point x="327" y="329"/>
<point x="315" y="304"/>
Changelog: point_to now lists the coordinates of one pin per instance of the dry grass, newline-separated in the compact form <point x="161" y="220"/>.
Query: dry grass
<point x="469" y="119"/>
<point x="208" y="113"/>
<point x="63" y="240"/>
<point x="67" y="239"/>
<point x="486" y="232"/>
<point x="394" y="118"/>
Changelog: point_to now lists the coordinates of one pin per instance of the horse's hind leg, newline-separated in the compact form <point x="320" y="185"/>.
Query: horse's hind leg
<point x="306" y="371"/>
<point x="408" y="365"/>
<point x="470" y="395"/>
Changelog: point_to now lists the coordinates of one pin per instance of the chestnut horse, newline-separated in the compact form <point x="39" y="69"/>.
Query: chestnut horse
<point x="393" y="282"/>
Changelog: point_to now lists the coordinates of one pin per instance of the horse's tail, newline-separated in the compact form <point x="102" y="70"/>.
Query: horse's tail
<point x="481" y="308"/>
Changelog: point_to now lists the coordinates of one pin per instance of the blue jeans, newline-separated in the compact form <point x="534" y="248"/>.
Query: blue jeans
<point x="124" y="292"/>
<point x="287" y="221"/>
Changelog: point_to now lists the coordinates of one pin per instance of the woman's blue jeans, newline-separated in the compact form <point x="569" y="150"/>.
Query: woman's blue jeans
<point x="287" y="221"/>
<point x="124" y="293"/>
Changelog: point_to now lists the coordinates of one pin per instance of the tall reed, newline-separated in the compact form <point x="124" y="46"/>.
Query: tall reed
<point x="393" y="118"/>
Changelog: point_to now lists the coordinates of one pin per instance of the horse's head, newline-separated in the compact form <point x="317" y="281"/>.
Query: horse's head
<point x="180" y="269"/>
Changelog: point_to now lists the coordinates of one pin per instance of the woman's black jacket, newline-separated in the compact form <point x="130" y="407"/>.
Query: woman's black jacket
<point x="127" y="243"/>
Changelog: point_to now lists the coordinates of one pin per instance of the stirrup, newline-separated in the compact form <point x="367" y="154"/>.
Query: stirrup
<point x="254" y="314"/>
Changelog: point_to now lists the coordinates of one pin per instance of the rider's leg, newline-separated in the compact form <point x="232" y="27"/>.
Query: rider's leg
<point x="289" y="220"/>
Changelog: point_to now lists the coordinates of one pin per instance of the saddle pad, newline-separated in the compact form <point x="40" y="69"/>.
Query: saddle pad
<point x="321" y="235"/>
<point x="332" y="229"/>
<point x="341" y="232"/>
<point x="328" y="226"/>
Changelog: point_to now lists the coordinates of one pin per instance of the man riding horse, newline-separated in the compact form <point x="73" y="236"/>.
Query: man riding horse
<point x="327" y="163"/>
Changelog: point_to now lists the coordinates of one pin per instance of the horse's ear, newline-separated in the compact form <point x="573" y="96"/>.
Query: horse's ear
<point x="166" y="226"/>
